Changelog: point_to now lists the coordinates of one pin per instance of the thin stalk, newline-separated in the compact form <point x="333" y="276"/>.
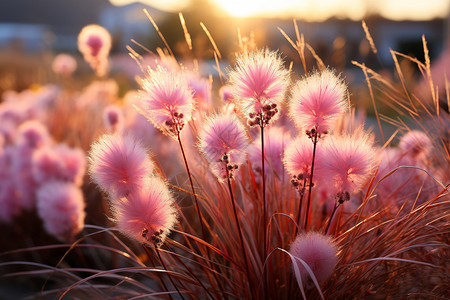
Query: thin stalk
<point x="165" y="268"/>
<point x="315" y="138"/>
<point x="301" y="194"/>
<point x="159" y="275"/>
<point x="199" y="213"/>
<point x="244" y="252"/>
<point x="189" y="270"/>
<point x="264" y="193"/>
<point x="264" y="205"/>
<point x="331" y="218"/>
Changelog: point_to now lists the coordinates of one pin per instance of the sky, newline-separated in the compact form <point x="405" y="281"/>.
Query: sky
<point x="317" y="10"/>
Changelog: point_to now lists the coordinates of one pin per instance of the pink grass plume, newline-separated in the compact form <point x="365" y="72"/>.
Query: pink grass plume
<point x="60" y="205"/>
<point x="113" y="118"/>
<point x="166" y="100"/>
<point x="348" y="162"/>
<point x="64" y="64"/>
<point x="148" y="214"/>
<point x="119" y="164"/>
<point x="318" y="252"/>
<point x="223" y="140"/>
<point x="317" y="101"/>
<point x="94" y="42"/>
<point x="416" y="144"/>
<point x="258" y="84"/>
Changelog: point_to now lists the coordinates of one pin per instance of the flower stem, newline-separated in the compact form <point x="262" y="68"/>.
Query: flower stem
<point x="244" y="252"/>
<point x="199" y="213"/>
<point x="264" y="193"/>
<point x="315" y="139"/>
<point x="165" y="268"/>
<point x="299" y="216"/>
<point x="331" y="218"/>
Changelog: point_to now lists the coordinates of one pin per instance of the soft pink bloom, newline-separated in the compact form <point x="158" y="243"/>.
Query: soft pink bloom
<point x="275" y="142"/>
<point x="222" y="135"/>
<point x="298" y="158"/>
<point x="113" y="118"/>
<point x="416" y="144"/>
<point x="32" y="134"/>
<point x="9" y="203"/>
<point x="317" y="101"/>
<point x="119" y="164"/>
<point x="347" y="162"/>
<point x="61" y="207"/>
<point x="94" y="42"/>
<point x="259" y="80"/>
<point x="201" y="88"/>
<point x="318" y="252"/>
<point x="147" y="214"/>
<point x="64" y="64"/>
<point x="167" y="100"/>
<point x="59" y="163"/>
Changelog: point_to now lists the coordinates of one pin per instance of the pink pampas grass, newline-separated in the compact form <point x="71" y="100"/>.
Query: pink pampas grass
<point x="59" y="163"/>
<point x="166" y="100"/>
<point x="32" y="134"/>
<point x="113" y="118"/>
<point x="223" y="140"/>
<point x="416" y="144"/>
<point x="94" y="42"/>
<point x="317" y="101"/>
<point x="119" y="164"/>
<point x="64" y="64"/>
<point x="318" y="252"/>
<point x="348" y="161"/>
<point x="61" y="207"/>
<point x="258" y="84"/>
<point x="147" y="214"/>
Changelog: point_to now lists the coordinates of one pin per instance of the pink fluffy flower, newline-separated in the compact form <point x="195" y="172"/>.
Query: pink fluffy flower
<point x="119" y="164"/>
<point x="61" y="207"/>
<point x="32" y="134"/>
<point x="348" y="162"/>
<point x="318" y="252"/>
<point x="147" y="214"/>
<point x="298" y="158"/>
<point x="223" y="140"/>
<point x="317" y="101"/>
<point x="166" y="100"/>
<point x="94" y="42"/>
<point x="416" y="144"/>
<point x="64" y="64"/>
<point x="59" y="163"/>
<point x="113" y="118"/>
<point x="258" y="84"/>
<point x="276" y="140"/>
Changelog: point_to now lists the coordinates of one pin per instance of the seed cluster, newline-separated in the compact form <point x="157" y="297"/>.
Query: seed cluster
<point x="314" y="135"/>
<point x="175" y="125"/>
<point x="229" y="167"/>
<point x="341" y="197"/>
<point x="155" y="238"/>
<point x="300" y="182"/>
<point x="263" y="117"/>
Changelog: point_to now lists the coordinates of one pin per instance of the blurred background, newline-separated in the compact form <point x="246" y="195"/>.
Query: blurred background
<point x="33" y="32"/>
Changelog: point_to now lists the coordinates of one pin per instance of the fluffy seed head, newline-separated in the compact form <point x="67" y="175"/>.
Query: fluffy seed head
<point x="94" y="42"/>
<point x="316" y="250"/>
<point x="416" y="144"/>
<point x="166" y="100"/>
<point x="222" y="135"/>
<point x="259" y="79"/>
<point x="119" y="164"/>
<point x="298" y="157"/>
<point x="32" y="134"/>
<point x="147" y="214"/>
<point x="61" y="207"/>
<point x="348" y="161"/>
<point x="113" y="118"/>
<point x="317" y="101"/>
<point x="64" y="64"/>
